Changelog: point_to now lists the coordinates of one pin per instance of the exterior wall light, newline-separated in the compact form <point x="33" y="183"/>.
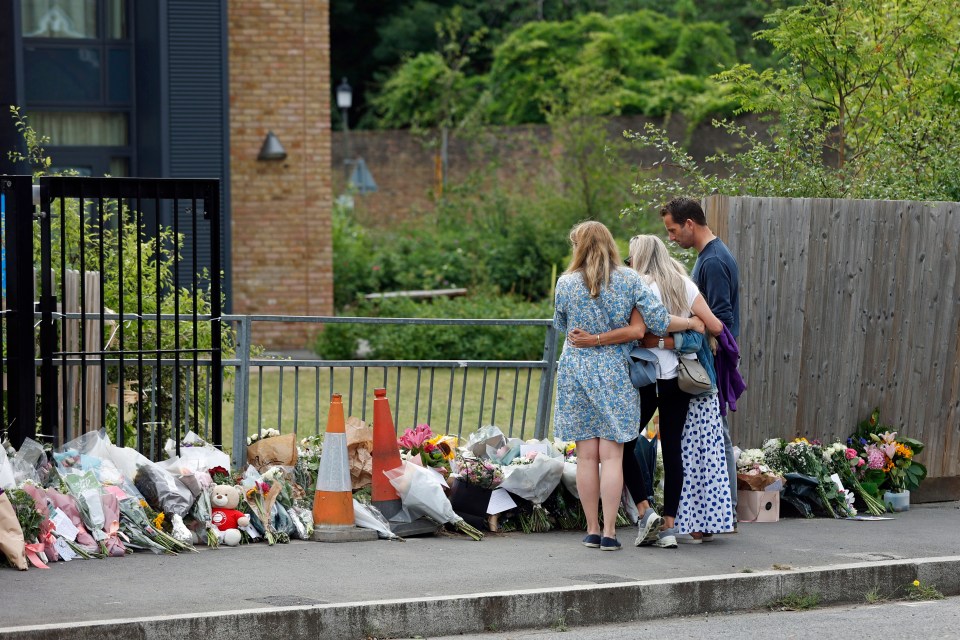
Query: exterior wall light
<point x="272" y="149"/>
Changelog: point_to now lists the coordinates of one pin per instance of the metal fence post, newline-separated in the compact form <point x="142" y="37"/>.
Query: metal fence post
<point x="21" y="376"/>
<point x="241" y="394"/>
<point x="48" y="332"/>
<point x="545" y="400"/>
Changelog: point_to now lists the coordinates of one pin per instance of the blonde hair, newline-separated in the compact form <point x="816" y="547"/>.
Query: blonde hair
<point x="595" y="255"/>
<point x="650" y="258"/>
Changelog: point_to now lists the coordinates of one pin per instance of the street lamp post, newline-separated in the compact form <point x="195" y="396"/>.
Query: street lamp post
<point x="344" y="102"/>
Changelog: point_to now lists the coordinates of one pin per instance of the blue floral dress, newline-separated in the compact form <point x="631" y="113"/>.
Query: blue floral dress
<point x="595" y="398"/>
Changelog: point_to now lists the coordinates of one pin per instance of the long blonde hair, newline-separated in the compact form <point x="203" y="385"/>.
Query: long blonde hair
<point x="650" y="258"/>
<point x="595" y="255"/>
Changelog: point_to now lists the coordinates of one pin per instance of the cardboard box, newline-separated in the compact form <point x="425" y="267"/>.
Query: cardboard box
<point x="758" y="506"/>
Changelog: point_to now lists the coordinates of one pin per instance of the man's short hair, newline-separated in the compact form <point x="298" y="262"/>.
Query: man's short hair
<point x="683" y="209"/>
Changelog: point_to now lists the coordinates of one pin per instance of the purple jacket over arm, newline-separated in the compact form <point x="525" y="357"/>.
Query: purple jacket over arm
<point x="730" y="384"/>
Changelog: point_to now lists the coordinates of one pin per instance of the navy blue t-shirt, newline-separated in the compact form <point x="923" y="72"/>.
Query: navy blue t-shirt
<point x="718" y="279"/>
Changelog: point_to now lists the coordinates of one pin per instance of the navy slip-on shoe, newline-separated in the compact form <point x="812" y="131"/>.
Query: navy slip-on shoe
<point x="609" y="544"/>
<point x="592" y="540"/>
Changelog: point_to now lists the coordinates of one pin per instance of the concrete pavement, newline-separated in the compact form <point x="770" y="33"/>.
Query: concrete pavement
<point x="442" y="585"/>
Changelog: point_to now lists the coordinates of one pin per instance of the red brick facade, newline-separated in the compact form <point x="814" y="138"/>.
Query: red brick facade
<point x="404" y="167"/>
<point x="281" y="234"/>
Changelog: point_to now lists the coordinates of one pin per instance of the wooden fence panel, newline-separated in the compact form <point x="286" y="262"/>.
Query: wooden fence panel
<point x="847" y="305"/>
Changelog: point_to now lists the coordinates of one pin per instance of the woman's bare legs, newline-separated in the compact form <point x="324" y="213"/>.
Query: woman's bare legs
<point x="611" y="483"/>
<point x="588" y="481"/>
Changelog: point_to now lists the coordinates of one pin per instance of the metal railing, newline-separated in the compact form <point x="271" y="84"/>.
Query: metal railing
<point x="420" y="398"/>
<point x="292" y="395"/>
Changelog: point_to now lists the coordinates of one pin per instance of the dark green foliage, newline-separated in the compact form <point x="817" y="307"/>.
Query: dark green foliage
<point x="417" y="342"/>
<point x="370" y="38"/>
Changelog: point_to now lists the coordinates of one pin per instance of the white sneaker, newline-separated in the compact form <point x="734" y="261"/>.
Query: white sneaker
<point x="666" y="539"/>
<point x="647" y="528"/>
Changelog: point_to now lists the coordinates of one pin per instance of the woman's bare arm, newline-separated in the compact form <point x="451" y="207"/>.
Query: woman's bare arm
<point x="629" y="333"/>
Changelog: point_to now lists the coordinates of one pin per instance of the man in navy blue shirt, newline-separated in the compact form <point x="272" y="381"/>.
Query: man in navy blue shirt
<point x="718" y="278"/>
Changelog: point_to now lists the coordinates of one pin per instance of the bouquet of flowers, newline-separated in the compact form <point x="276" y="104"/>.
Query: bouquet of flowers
<point x="569" y="478"/>
<point x="753" y="472"/>
<point x="285" y="515"/>
<point x="481" y="473"/>
<point x="533" y="476"/>
<point x="144" y="528"/>
<point x="202" y="510"/>
<point x="846" y="463"/>
<point x="46" y="537"/>
<point x="423" y="491"/>
<point x="195" y="449"/>
<point x="269" y="448"/>
<point x="260" y="497"/>
<point x="266" y="433"/>
<point x="30" y="520"/>
<point x="805" y="457"/>
<point x="890" y="462"/>
<point x="81" y="542"/>
<point x="11" y="535"/>
<point x="309" y="452"/>
<point x="567" y="510"/>
<point x="435" y="450"/>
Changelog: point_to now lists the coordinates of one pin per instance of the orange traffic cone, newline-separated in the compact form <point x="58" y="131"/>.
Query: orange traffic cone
<point x="333" y="515"/>
<point x="386" y="456"/>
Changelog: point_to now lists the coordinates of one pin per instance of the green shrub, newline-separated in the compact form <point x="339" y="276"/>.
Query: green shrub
<point x="441" y="342"/>
<point x="352" y="273"/>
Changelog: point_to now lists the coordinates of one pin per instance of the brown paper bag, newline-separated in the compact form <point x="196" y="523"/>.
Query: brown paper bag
<point x="359" y="452"/>
<point x="272" y="452"/>
<point x="747" y="482"/>
<point x="11" y="536"/>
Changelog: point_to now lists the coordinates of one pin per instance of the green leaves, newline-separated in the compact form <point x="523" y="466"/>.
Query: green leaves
<point x="641" y="62"/>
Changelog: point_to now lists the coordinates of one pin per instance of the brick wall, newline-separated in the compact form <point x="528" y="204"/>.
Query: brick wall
<point x="280" y="82"/>
<point x="404" y="165"/>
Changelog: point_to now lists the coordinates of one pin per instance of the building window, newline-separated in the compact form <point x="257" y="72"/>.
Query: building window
<point x="78" y="79"/>
<point x="60" y="18"/>
<point x="79" y="129"/>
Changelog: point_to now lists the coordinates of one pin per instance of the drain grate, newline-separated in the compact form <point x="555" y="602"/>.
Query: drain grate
<point x="599" y="578"/>
<point x="287" y="601"/>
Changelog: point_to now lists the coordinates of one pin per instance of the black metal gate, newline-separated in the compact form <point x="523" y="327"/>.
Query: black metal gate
<point x="129" y="310"/>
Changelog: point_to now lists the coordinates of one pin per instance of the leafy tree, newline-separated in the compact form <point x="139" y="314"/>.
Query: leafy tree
<point x="370" y="38"/>
<point x="865" y="104"/>
<point x="432" y="90"/>
<point x="645" y="63"/>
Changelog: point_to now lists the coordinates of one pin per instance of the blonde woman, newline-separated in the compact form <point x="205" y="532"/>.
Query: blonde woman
<point x="596" y="404"/>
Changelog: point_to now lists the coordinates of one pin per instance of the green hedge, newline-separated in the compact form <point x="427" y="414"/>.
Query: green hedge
<point x="441" y="342"/>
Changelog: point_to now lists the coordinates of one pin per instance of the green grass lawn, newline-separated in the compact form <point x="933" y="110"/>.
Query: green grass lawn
<point x="292" y="399"/>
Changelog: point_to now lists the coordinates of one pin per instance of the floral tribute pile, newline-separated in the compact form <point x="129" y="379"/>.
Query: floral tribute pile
<point x="837" y="479"/>
<point x="91" y="499"/>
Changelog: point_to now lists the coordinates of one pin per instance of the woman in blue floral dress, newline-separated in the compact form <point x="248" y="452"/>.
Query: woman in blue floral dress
<point x="597" y="406"/>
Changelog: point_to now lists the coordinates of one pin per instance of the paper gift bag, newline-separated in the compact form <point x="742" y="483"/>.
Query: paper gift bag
<point x="11" y="536"/>
<point x="278" y="451"/>
<point x="469" y="498"/>
<point x="359" y="452"/>
<point x="758" y="506"/>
